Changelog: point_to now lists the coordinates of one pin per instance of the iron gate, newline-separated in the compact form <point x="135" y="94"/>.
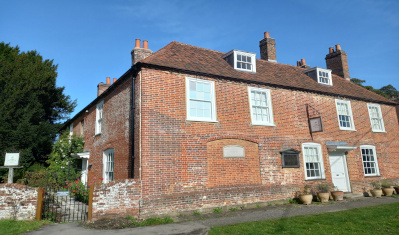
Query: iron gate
<point x="62" y="205"/>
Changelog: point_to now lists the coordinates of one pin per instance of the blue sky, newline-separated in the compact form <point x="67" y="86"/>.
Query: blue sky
<point x="92" y="40"/>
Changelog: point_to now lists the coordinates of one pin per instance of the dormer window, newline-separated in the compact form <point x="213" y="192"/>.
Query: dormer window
<point x="241" y="60"/>
<point x="320" y="75"/>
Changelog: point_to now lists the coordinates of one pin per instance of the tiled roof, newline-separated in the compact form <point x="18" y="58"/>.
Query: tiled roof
<point x="189" y="58"/>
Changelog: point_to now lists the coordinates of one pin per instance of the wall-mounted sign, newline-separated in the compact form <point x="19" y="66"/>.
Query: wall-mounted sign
<point x="316" y="124"/>
<point x="62" y="193"/>
<point x="12" y="159"/>
<point x="290" y="158"/>
<point x="233" y="151"/>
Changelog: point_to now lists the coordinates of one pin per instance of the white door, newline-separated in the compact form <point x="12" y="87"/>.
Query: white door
<point x="339" y="171"/>
<point x="83" y="176"/>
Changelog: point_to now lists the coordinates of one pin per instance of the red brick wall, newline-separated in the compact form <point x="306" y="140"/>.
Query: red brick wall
<point x="119" y="198"/>
<point x="18" y="202"/>
<point x="179" y="162"/>
<point x="175" y="158"/>
<point x="231" y="171"/>
<point x="115" y="133"/>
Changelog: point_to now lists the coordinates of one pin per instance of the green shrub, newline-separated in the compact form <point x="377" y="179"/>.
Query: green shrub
<point x="217" y="210"/>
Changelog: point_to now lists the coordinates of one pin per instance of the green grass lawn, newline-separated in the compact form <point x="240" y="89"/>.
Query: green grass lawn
<point x="17" y="227"/>
<point x="382" y="219"/>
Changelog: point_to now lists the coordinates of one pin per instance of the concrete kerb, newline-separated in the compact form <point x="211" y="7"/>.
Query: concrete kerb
<point x="202" y="226"/>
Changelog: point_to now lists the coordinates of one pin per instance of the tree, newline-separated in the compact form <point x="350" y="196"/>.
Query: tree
<point x="31" y="105"/>
<point x="385" y="91"/>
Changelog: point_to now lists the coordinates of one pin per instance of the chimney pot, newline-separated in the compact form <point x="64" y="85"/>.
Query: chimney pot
<point x="338" y="62"/>
<point x="137" y="44"/>
<point x="114" y="81"/>
<point x="331" y="50"/>
<point x="303" y="62"/>
<point x="108" y="80"/>
<point x="267" y="35"/>
<point x="145" y="44"/>
<point x="298" y="63"/>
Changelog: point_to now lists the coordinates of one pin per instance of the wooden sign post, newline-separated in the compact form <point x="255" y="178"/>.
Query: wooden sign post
<point x="11" y="162"/>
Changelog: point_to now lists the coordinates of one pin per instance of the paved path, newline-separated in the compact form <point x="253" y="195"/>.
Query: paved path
<point x="202" y="226"/>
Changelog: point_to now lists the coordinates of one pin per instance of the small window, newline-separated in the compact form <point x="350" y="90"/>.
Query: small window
<point x="377" y="123"/>
<point x="200" y="100"/>
<point x="260" y="106"/>
<point x="99" y="117"/>
<point x="313" y="160"/>
<point x="241" y="60"/>
<point x="320" y="75"/>
<point x="345" y="117"/>
<point x="369" y="158"/>
<point x="108" y="162"/>
<point x="290" y="158"/>
<point x="71" y="129"/>
<point x="82" y="124"/>
<point x="324" y="77"/>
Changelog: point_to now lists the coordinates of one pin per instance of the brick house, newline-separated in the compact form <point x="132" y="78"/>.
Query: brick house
<point x="187" y="128"/>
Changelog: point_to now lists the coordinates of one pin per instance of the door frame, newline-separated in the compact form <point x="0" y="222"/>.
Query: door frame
<point x="343" y="155"/>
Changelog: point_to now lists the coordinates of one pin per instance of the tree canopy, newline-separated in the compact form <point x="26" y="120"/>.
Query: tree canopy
<point x="387" y="91"/>
<point x="31" y="105"/>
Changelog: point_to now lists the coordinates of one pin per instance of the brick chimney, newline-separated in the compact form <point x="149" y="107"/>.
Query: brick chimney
<point x="139" y="53"/>
<point x="302" y="64"/>
<point x="268" y="48"/>
<point x="101" y="87"/>
<point x="337" y="61"/>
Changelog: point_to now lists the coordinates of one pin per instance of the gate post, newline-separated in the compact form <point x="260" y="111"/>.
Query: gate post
<point x="90" y="212"/>
<point x="39" y="206"/>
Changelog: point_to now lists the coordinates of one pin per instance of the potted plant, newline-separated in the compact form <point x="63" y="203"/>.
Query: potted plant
<point x="323" y="192"/>
<point x="396" y="187"/>
<point x="387" y="188"/>
<point x="306" y="196"/>
<point x="376" y="191"/>
<point x="337" y="194"/>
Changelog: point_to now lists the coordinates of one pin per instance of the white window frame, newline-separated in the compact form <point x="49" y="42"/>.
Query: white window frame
<point x="247" y="54"/>
<point x="377" y="171"/>
<point x="348" y="103"/>
<point x="99" y="117"/>
<point x="320" y="161"/>
<point x="269" y="106"/>
<point x="212" y="100"/>
<point x="319" y="77"/>
<point x="108" y="165"/>
<point x="380" y="118"/>
<point x="71" y="129"/>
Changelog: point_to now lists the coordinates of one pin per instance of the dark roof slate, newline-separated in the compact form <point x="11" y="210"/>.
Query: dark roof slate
<point x="189" y="58"/>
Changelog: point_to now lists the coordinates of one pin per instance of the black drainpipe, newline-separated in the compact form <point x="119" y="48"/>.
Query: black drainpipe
<point x="132" y="115"/>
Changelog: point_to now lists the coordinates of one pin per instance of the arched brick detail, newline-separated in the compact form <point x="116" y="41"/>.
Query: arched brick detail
<point x="221" y="137"/>
<point x="231" y="171"/>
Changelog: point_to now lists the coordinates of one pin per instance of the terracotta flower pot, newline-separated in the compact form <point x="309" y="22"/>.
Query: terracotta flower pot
<point x="323" y="197"/>
<point x="376" y="192"/>
<point x="306" y="199"/>
<point x="387" y="191"/>
<point x="338" y="195"/>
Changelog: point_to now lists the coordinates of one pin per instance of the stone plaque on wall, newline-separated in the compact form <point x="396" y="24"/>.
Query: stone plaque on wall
<point x="233" y="151"/>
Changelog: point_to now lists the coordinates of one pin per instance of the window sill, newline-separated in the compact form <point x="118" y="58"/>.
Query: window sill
<point x="262" y="124"/>
<point x="379" y="132"/>
<point x="347" y="129"/>
<point x="315" y="179"/>
<point x="371" y="176"/>
<point x="196" y="120"/>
